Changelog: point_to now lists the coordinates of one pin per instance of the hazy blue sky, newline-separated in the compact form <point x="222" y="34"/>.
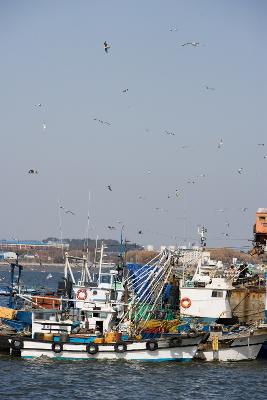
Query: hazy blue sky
<point x="52" y="53"/>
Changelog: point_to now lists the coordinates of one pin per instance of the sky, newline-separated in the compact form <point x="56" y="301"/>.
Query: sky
<point x="158" y="149"/>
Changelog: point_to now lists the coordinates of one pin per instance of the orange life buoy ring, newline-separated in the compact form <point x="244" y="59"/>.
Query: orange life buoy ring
<point x="186" y="302"/>
<point x="81" y="294"/>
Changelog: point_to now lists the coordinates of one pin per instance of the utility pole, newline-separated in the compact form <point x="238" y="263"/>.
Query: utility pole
<point x="202" y="231"/>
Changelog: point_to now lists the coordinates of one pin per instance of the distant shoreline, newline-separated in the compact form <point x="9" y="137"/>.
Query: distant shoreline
<point x="36" y="267"/>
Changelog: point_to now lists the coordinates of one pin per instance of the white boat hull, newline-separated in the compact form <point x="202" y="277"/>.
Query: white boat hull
<point x="135" y="351"/>
<point x="243" y="348"/>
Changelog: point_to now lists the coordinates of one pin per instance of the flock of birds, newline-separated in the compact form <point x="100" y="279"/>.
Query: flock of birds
<point x="178" y="192"/>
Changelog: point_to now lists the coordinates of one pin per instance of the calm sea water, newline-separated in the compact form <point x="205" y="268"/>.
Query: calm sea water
<point x="47" y="379"/>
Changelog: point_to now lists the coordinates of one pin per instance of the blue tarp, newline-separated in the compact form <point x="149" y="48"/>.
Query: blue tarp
<point x="139" y="271"/>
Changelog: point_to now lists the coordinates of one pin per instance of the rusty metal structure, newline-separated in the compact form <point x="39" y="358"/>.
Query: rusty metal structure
<point x="260" y="232"/>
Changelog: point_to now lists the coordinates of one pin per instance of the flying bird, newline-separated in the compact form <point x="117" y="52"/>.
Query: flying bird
<point x="140" y="232"/>
<point x="169" y="133"/>
<point x="111" y="227"/>
<point x="44" y="126"/>
<point x="106" y="46"/>
<point x="195" y="44"/>
<point x="69" y="212"/>
<point x="38" y="105"/>
<point x="225" y="234"/>
<point x="109" y="188"/>
<point x="260" y="144"/>
<point x="240" y="170"/>
<point x="209" y="88"/>
<point x="244" y="209"/>
<point x="49" y="276"/>
<point x="173" y="29"/>
<point x="177" y="193"/>
<point x="101" y="121"/>
<point x="264" y="156"/>
<point x="220" y="144"/>
<point x="32" y="171"/>
<point x="125" y="90"/>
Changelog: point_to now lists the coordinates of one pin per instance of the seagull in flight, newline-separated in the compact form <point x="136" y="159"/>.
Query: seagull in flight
<point x="173" y="29"/>
<point x="44" y="126"/>
<point x="244" y="209"/>
<point x="106" y="46"/>
<point x="240" y="170"/>
<point x="260" y="144"/>
<point x="169" y="133"/>
<point x="109" y="188"/>
<point x="195" y="44"/>
<point x="209" y="88"/>
<point x="101" y="121"/>
<point x="32" y="171"/>
<point x="69" y="212"/>
<point x="264" y="156"/>
<point x="225" y="234"/>
<point x="38" y="105"/>
<point x="111" y="227"/>
<point x="140" y="232"/>
<point x="220" y="144"/>
<point x="125" y="90"/>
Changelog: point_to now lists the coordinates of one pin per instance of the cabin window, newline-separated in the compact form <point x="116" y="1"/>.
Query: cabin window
<point x="103" y="315"/>
<point x="94" y="292"/>
<point x="216" y="293"/>
<point x="262" y="218"/>
<point x="105" y="278"/>
<point x="96" y="315"/>
<point x="39" y="315"/>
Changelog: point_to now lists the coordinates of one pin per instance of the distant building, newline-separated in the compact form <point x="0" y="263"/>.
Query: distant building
<point x="10" y="255"/>
<point x="171" y="248"/>
<point x="30" y="244"/>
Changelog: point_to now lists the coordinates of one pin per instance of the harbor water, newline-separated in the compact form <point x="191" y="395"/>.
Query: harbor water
<point x="49" y="379"/>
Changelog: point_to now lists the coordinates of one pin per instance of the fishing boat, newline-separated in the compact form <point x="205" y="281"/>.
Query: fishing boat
<point x="242" y="343"/>
<point x="208" y="286"/>
<point x="108" y="325"/>
<point x="112" y="347"/>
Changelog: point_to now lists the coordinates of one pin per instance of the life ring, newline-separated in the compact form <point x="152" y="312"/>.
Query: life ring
<point x="120" y="347"/>
<point x="175" y="342"/>
<point x="92" y="348"/>
<point x="81" y="294"/>
<point x="16" y="344"/>
<point x="152" y="345"/>
<point x="57" y="347"/>
<point x="185" y="302"/>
